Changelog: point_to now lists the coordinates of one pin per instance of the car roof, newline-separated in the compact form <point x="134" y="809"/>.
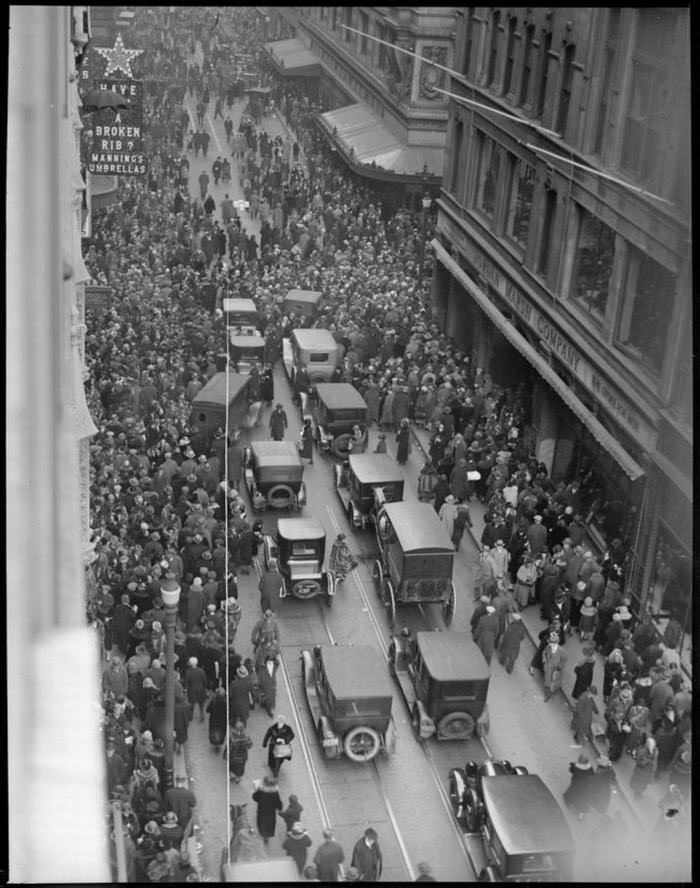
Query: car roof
<point x="340" y="396"/>
<point x="375" y="468"/>
<point x="237" y="304"/>
<point x="304" y="295"/>
<point x="417" y="526"/>
<point x="300" y="528"/>
<point x="275" y="453"/>
<point x="312" y="337"/>
<point x="525" y="815"/>
<point x="452" y="655"/>
<point x="214" y="392"/>
<point x="356" y="671"/>
<point x="252" y="340"/>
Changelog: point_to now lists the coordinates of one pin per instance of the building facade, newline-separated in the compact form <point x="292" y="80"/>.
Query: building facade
<point x="563" y="260"/>
<point x="380" y="107"/>
<point x="56" y="787"/>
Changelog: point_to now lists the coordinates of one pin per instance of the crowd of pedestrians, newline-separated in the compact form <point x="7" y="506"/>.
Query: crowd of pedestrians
<point x="158" y="495"/>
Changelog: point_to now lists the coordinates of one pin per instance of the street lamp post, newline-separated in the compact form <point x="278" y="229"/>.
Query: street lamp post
<point x="170" y="593"/>
<point x="426" y="203"/>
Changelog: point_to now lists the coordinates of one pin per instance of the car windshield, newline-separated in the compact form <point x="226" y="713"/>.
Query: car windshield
<point x="303" y="549"/>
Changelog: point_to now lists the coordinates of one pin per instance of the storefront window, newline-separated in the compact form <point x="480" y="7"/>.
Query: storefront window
<point x="671" y="581"/>
<point x="650" y="293"/>
<point x="594" y="264"/>
<point x="521" y="202"/>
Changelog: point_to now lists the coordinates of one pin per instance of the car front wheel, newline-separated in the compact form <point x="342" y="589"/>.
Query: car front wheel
<point x="361" y="744"/>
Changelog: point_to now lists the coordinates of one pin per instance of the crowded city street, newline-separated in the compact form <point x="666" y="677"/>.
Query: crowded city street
<point x="217" y="606"/>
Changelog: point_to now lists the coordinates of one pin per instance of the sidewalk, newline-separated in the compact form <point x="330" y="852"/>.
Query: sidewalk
<point x="645" y="809"/>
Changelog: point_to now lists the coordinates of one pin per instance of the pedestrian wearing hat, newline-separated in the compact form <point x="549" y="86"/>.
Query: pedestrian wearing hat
<point x="588" y="616"/>
<point x="171" y="832"/>
<point x="425" y="873"/>
<point x="269" y="803"/>
<point x="239" y="695"/>
<point x="427" y="480"/>
<point x="584" y="671"/>
<point x="403" y="442"/>
<point x="510" y="642"/>
<point x="278" y="423"/>
<point x="196" y="686"/>
<point x="328" y="858"/>
<point x="271" y="586"/>
<point x="381" y="443"/>
<point x="367" y="857"/>
<point x="478" y="612"/>
<point x="238" y="745"/>
<point x="277" y="739"/>
<point x="195" y="603"/>
<point x="526" y="577"/>
<point x="537" y="536"/>
<point x="181" y="800"/>
<point x="265" y="630"/>
<point x="297" y="844"/>
<point x="499" y="557"/>
<point x="487" y="631"/>
<point x="580" y="792"/>
<point x="448" y="514"/>
<point x="603" y="786"/>
<point x="461" y="522"/>
<point x="553" y="662"/>
<point x="584" y="711"/>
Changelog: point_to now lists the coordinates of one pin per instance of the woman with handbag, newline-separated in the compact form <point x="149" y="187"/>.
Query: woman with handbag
<point x="278" y="738"/>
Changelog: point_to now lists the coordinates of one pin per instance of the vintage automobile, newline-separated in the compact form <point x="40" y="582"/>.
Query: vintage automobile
<point x="364" y="482"/>
<point x="349" y="696"/>
<point x="246" y="351"/>
<point x="416" y="557"/>
<point x="274" y="475"/>
<point x="298" y="549"/>
<point x="315" y="350"/>
<point x="241" y="316"/>
<point x="336" y="409"/>
<point x="444" y="680"/>
<point x="209" y="404"/>
<point x="515" y="829"/>
<point x="303" y="303"/>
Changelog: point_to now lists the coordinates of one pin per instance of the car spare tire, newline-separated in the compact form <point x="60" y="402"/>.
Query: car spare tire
<point x="361" y="744"/>
<point x="281" y="496"/>
<point x="341" y="445"/>
<point x="304" y="589"/>
<point x="456" y="726"/>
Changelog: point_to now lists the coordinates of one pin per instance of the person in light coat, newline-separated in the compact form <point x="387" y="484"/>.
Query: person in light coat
<point x="553" y="661"/>
<point x="448" y="513"/>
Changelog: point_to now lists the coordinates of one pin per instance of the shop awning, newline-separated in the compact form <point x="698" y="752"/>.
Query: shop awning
<point x="631" y="468"/>
<point x="293" y="59"/>
<point x="369" y="141"/>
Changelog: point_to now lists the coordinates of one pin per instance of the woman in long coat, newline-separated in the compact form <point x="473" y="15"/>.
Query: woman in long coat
<point x="403" y="440"/>
<point x="486" y="632"/>
<point x="238" y="745"/>
<point x="239" y="696"/>
<point x="583" y="714"/>
<point x="584" y="672"/>
<point x="581" y="789"/>
<point x="216" y="708"/>
<point x="278" y="733"/>
<point x="553" y="660"/>
<point x="269" y="803"/>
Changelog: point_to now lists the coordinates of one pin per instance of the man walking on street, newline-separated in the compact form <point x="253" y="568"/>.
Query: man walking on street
<point x="367" y="857"/>
<point x="328" y="858"/>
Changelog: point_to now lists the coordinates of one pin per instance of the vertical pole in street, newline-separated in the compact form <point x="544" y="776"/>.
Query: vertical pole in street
<point x="170" y="592"/>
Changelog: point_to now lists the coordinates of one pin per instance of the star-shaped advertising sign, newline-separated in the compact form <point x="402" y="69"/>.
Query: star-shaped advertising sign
<point x="119" y="58"/>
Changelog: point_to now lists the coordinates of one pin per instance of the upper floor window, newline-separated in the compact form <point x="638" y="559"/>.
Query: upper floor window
<point x="458" y="162"/>
<point x="608" y="83"/>
<point x="347" y="20"/>
<point x="510" y="55"/>
<point x="548" y="235"/>
<point x="523" y="181"/>
<point x="595" y="254"/>
<point x="528" y="55"/>
<point x="545" y="47"/>
<point x="567" y="80"/>
<point x="493" y="47"/>
<point x="646" y="116"/>
<point x="364" y="27"/>
<point x="334" y="17"/>
<point x="647" y="309"/>
<point x="468" y="39"/>
<point x="489" y="170"/>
